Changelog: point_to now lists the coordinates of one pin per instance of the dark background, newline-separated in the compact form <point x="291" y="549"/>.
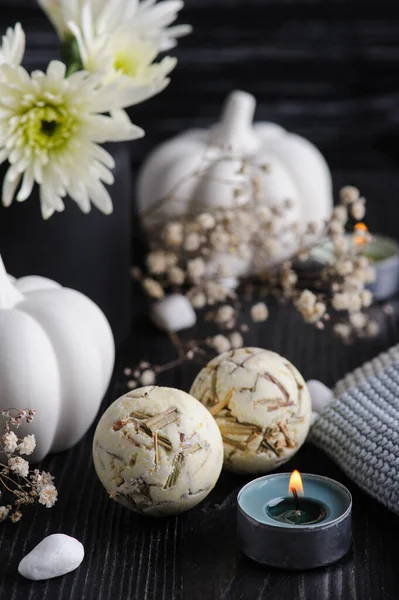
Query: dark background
<point x="327" y="70"/>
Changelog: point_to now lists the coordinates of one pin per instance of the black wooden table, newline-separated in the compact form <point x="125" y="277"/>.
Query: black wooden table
<point x="194" y="556"/>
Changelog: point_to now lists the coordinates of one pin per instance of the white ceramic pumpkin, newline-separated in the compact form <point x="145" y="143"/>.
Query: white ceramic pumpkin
<point x="56" y="356"/>
<point x="169" y="185"/>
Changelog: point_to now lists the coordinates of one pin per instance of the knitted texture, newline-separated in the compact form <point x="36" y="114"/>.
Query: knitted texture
<point x="360" y="428"/>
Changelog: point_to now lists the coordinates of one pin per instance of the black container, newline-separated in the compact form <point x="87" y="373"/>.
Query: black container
<point x="87" y="252"/>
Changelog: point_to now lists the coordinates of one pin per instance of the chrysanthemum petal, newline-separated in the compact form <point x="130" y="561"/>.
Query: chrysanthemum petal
<point x="12" y="49"/>
<point x="27" y="186"/>
<point x="100" y="197"/>
<point x="56" y="69"/>
<point x="9" y="188"/>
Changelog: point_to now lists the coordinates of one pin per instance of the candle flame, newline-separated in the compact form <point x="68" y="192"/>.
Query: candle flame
<point x="360" y="234"/>
<point x="296" y="483"/>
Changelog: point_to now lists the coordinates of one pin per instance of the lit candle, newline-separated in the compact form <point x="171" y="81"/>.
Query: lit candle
<point x="284" y="523"/>
<point x="383" y="253"/>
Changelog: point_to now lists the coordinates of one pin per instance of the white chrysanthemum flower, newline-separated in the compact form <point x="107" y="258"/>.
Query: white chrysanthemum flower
<point x="13" y="46"/>
<point x="123" y="57"/>
<point x="50" y="131"/>
<point x="150" y="20"/>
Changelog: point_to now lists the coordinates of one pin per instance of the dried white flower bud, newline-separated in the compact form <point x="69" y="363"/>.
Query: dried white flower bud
<point x="216" y="292"/>
<point x="192" y="242"/>
<point x="153" y="288"/>
<point x="176" y="276"/>
<point x="306" y="300"/>
<point x="336" y="227"/>
<point x="196" y="268"/>
<point x="4" y="512"/>
<point x="19" y="465"/>
<point x="340" y="244"/>
<point x="198" y="300"/>
<point x="311" y="310"/>
<point x="344" y="267"/>
<point x="353" y="283"/>
<point x="173" y="234"/>
<point x="259" y="312"/>
<point x="358" y="209"/>
<point x="206" y="221"/>
<point x="340" y="213"/>
<point x="48" y="495"/>
<point x="342" y="330"/>
<point x="220" y="343"/>
<point x="10" y="442"/>
<point x="349" y="194"/>
<point x="156" y="262"/>
<point x="219" y="239"/>
<point x="341" y="301"/>
<point x="224" y="314"/>
<point x="27" y="445"/>
<point x="236" y="340"/>
<point x="271" y="246"/>
<point x="289" y="278"/>
<point x="147" y="377"/>
<point x="358" y="319"/>
<point x="361" y="262"/>
<point x="372" y="328"/>
<point x="244" y="252"/>
<point x="367" y="298"/>
<point x="171" y="259"/>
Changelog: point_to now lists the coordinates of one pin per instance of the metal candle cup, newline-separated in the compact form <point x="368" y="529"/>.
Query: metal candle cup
<point x="269" y="534"/>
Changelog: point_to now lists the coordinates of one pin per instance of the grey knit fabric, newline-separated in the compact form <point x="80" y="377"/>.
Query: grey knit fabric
<point x="360" y="429"/>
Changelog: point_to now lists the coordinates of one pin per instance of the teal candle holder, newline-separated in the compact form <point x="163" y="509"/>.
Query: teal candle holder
<point x="271" y="529"/>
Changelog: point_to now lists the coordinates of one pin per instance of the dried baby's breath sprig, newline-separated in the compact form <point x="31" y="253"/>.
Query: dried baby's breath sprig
<point x="201" y="255"/>
<point x="20" y="486"/>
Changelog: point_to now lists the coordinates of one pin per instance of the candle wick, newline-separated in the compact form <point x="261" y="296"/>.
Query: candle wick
<point x="296" y="498"/>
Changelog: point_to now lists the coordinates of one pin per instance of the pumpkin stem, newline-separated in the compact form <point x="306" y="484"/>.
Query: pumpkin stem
<point x="9" y="295"/>
<point x="235" y="128"/>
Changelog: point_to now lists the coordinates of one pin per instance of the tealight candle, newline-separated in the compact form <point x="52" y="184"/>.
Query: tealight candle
<point x="383" y="252"/>
<point x="283" y="524"/>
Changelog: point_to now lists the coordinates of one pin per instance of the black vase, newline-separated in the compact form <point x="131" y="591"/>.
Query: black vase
<point x="87" y="252"/>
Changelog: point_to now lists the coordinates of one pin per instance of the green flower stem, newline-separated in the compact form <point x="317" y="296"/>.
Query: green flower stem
<point x="70" y="55"/>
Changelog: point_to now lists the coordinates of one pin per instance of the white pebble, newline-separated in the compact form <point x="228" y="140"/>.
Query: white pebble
<point x="56" y="555"/>
<point x="173" y="313"/>
<point x="320" y="395"/>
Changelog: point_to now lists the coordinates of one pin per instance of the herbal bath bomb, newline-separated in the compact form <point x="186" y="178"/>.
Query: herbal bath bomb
<point x="261" y="404"/>
<point x="158" y="451"/>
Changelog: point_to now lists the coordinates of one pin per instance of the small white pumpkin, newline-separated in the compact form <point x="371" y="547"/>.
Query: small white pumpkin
<point x="170" y="186"/>
<point x="56" y="356"/>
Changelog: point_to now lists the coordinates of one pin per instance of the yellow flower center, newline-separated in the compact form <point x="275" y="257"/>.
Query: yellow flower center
<point x="47" y="127"/>
<point x="127" y="64"/>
